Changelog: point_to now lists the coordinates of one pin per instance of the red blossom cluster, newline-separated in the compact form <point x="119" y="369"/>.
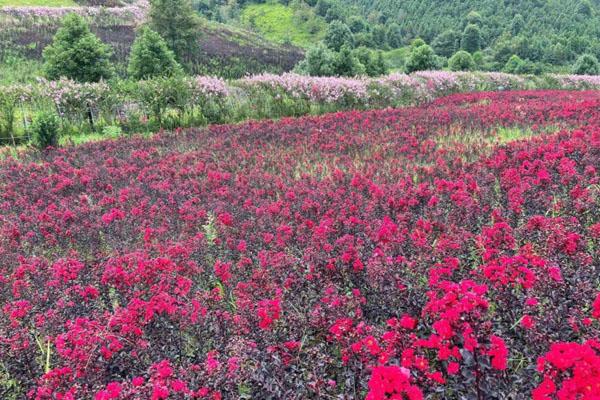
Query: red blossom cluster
<point x="394" y="254"/>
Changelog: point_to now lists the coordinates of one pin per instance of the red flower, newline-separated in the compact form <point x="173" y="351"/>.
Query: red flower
<point x="527" y="322"/>
<point x="498" y="353"/>
<point x="222" y="271"/>
<point x="392" y="383"/>
<point x="407" y="322"/>
<point x="163" y="369"/>
<point x="226" y="219"/>
<point x="596" y="307"/>
<point x="453" y="368"/>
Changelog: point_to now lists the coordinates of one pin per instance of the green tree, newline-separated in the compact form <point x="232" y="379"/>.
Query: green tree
<point x="338" y="35"/>
<point x="177" y="23"/>
<point x="417" y="42"/>
<point x="150" y="56"/>
<point x="322" y="7"/>
<point x="446" y="43"/>
<point x="380" y="36"/>
<point x="394" y="36"/>
<point x="318" y="61"/>
<point x="378" y="65"/>
<point x="364" y="39"/>
<point x="517" y="25"/>
<point x="334" y="13"/>
<point x="346" y="64"/>
<point x="587" y="64"/>
<point x="357" y="24"/>
<point x="373" y="61"/>
<point x="473" y="17"/>
<point x="585" y="8"/>
<point x="461" y="61"/>
<point x="421" y="58"/>
<point x="471" y="39"/>
<point x="76" y="53"/>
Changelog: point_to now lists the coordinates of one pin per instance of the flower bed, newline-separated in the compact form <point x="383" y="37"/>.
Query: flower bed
<point x="400" y="253"/>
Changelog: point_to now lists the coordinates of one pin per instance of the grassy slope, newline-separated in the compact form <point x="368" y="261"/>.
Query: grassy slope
<point x="44" y="3"/>
<point x="282" y="24"/>
<point x="227" y="51"/>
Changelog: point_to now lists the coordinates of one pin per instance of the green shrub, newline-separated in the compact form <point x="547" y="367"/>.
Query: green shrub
<point x="587" y="64"/>
<point x="112" y="131"/>
<point x="514" y="65"/>
<point x="44" y="130"/>
<point x="421" y="58"/>
<point x="461" y="61"/>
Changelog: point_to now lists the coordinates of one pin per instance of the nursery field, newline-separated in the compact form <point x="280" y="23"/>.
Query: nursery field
<point x="445" y="251"/>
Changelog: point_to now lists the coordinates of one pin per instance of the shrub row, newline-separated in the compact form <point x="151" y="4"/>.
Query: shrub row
<point x="147" y="106"/>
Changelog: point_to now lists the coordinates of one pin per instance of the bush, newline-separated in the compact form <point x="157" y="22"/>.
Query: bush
<point x="158" y="95"/>
<point x="422" y="58"/>
<point x="587" y="64"/>
<point x="461" y="61"/>
<point x="44" y="130"/>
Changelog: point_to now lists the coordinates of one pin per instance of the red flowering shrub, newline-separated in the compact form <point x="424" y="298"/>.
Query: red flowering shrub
<point x="571" y="371"/>
<point x="404" y="254"/>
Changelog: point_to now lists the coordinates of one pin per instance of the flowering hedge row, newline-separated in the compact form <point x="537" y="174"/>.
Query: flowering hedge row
<point x="409" y="253"/>
<point x="176" y="102"/>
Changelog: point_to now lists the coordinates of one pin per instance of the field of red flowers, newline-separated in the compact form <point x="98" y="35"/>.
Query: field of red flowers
<point x="448" y="251"/>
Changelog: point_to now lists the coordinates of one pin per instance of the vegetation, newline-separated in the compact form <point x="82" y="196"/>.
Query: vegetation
<point x="422" y="58"/>
<point x="177" y="23"/>
<point x="552" y="34"/>
<point x="44" y="130"/>
<point x="151" y="57"/>
<point x="37" y="3"/>
<point x="461" y="61"/>
<point x="284" y="24"/>
<point x="76" y="53"/>
<point x="339" y="35"/>
<point x="403" y="253"/>
<point x="587" y="64"/>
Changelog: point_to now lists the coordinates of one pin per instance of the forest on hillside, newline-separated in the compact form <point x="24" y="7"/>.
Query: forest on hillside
<point x="552" y="31"/>
<point x="539" y="35"/>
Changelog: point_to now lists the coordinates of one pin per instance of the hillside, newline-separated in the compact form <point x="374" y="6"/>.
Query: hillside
<point x="284" y="24"/>
<point x="550" y="31"/>
<point x="224" y="50"/>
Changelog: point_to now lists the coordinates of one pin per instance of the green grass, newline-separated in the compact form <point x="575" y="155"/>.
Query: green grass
<point x="511" y="134"/>
<point x="19" y="70"/>
<point x="38" y="3"/>
<point x="284" y="24"/>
